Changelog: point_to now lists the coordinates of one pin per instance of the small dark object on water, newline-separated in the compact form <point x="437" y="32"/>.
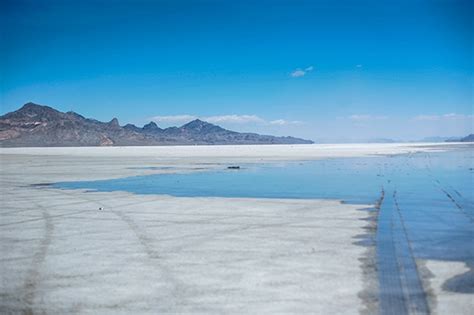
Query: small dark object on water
<point x="100" y="208"/>
<point x="41" y="185"/>
<point x="236" y="167"/>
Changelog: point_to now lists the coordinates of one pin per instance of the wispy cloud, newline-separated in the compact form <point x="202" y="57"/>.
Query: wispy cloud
<point x="283" y="122"/>
<point x="236" y="119"/>
<point x="366" y="117"/>
<point x="298" y="73"/>
<point x="301" y="72"/>
<point x="173" y="118"/>
<point x="231" y="119"/>
<point x="449" y="116"/>
<point x="427" y="117"/>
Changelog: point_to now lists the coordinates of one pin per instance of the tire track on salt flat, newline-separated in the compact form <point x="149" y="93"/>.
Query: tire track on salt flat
<point x="33" y="276"/>
<point x="178" y="288"/>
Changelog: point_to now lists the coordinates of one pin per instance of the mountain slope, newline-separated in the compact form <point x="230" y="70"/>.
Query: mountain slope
<point x="37" y="125"/>
<point x="468" y="138"/>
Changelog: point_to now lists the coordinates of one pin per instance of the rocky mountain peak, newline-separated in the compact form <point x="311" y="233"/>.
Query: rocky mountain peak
<point x="196" y="125"/>
<point x="132" y="127"/>
<point x="151" y="126"/>
<point x="30" y="105"/>
<point x="35" y="108"/>
<point x="33" y="112"/>
<point x="114" y="122"/>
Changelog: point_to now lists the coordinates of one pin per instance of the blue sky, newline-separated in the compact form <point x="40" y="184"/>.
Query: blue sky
<point x="325" y="70"/>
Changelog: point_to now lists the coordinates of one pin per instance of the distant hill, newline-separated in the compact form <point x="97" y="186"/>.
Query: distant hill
<point x="439" y="139"/>
<point x="468" y="138"/>
<point x="36" y="125"/>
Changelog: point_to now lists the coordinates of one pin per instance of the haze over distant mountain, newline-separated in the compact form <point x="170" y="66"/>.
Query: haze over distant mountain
<point x="468" y="138"/>
<point x="439" y="139"/>
<point x="39" y="126"/>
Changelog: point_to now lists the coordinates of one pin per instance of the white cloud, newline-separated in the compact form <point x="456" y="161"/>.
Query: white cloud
<point x="282" y="122"/>
<point x="301" y="72"/>
<point x="173" y="118"/>
<point x="366" y="117"/>
<point x="238" y="119"/>
<point x="449" y="116"/>
<point x="230" y="119"/>
<point x="427" y="117"/>
<point x="298" y="73"/>
<point x="457" y="116"/>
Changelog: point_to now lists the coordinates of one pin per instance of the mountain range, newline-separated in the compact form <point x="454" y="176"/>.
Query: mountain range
<point x="36" y="125"/>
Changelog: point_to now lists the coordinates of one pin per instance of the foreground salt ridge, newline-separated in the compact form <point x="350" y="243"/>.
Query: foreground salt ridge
<point x="66" y="247"/>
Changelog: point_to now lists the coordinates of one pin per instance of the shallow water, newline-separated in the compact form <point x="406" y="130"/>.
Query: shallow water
<point x="427" y="213"/>
<point x="315" y="179"/>
<point x="434" y="190"/>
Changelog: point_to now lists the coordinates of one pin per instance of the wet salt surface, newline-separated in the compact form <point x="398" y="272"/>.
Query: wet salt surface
<point x="429" y="197"/>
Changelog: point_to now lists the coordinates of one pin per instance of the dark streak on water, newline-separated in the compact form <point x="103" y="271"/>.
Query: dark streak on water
<point x="427" y="212"/>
